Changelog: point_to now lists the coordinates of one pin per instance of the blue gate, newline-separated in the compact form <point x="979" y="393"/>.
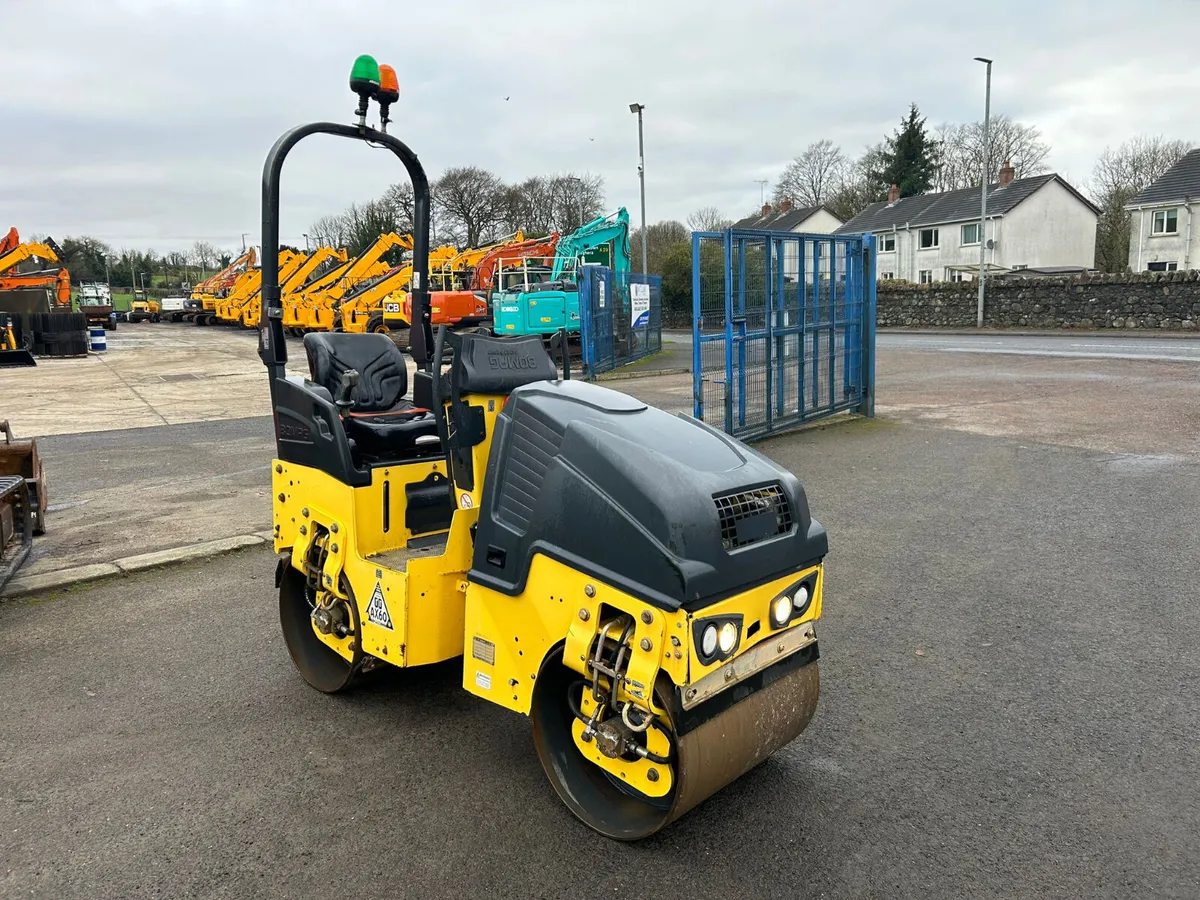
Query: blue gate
<point x="620" y="318"/>
<point x="783" y="328"/>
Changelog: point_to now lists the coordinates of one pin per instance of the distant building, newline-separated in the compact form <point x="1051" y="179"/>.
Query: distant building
<point x="1161" y="236"/>
<point x="793" y="219"/>
<point x="1032" y="223"/>
<point x="789" y="219"/>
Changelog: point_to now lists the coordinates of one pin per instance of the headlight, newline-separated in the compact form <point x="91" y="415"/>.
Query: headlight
<point x="716" y="638"/>
<point x="793" y="603"/>
<point x="781" y="610"/>
<point x="728" y="638"/>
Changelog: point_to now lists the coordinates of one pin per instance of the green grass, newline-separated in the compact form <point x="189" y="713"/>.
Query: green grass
<point x="121" y="300"/>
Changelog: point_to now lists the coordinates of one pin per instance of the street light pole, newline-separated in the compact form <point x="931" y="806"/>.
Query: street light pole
<point x="244" y="234"/>
<point x="637" y="108"/>
<point x="306" y="250"/>
<point x="987" y="115"/>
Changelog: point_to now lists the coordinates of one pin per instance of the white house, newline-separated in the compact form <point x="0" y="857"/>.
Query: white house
<point x="1032" y="223"/>
<point x="793" y="219"/>
<point x="1161" y="236"/>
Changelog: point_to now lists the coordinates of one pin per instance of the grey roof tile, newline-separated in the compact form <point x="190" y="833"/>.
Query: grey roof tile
<point x="1180" y="181"/>
<point x="950" y="206"/>
<point x="777" y="221"/>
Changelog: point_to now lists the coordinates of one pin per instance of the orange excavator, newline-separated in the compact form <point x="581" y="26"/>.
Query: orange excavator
<point x="470" y="307"/>
<point x="13" y="252"/>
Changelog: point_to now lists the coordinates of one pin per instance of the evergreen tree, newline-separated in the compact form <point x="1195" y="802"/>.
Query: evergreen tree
<point x="911" y="157"/>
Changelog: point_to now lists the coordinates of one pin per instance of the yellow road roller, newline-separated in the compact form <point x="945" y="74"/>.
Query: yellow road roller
<point x="643" y="587"/>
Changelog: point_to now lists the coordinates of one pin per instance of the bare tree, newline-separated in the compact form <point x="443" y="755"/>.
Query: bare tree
<point x="577" y="199"/>
<point x="329" y="231"/>
<point x="472" y="203"/>
<point x="529" y="205"/>
<point x="365" y="222"/>
<point x="811" y="177"/>
<point x="663" y="236"/>
<point x="558" y="203"/>
<point x="1117" y="177"/>
<point x="962" y="152"/>
<point x="708" y="218"/>
<point x="203" y="256"/>
<point x="859" y="185"/>
<point x="400" y="198"/>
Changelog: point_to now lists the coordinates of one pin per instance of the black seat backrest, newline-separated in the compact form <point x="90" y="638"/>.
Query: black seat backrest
<point x="498" y="365"/>
<point x="382" y="369"/>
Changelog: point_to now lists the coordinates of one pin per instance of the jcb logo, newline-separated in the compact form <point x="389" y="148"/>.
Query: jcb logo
<point x="391" y="307"/>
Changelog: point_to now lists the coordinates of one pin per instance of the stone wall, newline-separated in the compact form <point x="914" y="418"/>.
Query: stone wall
<point x="1155" y="300"/>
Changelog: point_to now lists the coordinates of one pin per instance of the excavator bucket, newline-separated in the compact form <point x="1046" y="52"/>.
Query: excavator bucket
<point x="22" y="501"/>
<point x="19" y="459"/>
<point x="12" y="354"/>
<point x="11" y="359"/>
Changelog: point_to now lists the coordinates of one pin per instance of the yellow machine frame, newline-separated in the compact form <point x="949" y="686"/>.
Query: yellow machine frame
<point x="640" y="585"/>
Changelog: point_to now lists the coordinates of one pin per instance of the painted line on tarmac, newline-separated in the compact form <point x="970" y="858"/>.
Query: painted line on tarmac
<point x="1071" y="354"/>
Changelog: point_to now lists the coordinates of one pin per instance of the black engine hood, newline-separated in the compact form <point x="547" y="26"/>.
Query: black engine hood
<point x="662" y="506"/>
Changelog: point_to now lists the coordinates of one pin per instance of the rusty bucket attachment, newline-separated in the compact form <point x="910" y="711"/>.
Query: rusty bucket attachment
<point x="12" y="354"/>
<point x="16" y="525"/>
<point x="19" y="458"/>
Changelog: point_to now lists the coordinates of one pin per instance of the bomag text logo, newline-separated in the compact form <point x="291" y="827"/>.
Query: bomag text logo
<point x="294" y="432"/>
<point x="509" y="360"/>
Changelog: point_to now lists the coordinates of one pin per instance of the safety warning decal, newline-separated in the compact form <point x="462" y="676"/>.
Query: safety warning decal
<point x="483" y="680"/>
<point x="377" y="611"/>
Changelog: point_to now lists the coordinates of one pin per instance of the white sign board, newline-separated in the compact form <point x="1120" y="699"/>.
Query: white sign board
<point x="639" y="305"/>
<point x="600" y="291"/>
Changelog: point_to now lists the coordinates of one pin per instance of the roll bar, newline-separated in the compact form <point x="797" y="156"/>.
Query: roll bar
<point x="272" y="348"/>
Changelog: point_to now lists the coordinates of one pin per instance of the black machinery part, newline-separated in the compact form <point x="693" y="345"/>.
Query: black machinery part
<point x="660" y="506"/>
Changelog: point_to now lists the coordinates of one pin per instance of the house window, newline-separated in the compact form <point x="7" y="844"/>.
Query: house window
<point x="929" y="238"/>
<point x="957" y="275"/>
<point x="887" y="276"/>
<point x="1163" y="267"/>
<point x="1165" y="221"/>
<point x="887" y="242"/>
<point x="926" y="276"/>
<point x="970" y="234"/>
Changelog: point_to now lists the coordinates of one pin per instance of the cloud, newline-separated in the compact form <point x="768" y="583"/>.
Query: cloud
<point x="145" y="122"/>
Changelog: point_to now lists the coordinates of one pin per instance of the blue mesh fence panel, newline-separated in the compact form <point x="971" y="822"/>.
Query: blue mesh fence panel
<point x="620" y="318"/>
<point x="783" y="328"/>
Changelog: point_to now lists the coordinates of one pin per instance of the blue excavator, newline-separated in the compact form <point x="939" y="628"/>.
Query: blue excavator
<point x="545" y="299"/>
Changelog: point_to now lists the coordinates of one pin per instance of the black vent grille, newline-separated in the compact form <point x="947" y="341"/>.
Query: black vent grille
<point x="534" y="444"/>
<point x="748" y="517"/>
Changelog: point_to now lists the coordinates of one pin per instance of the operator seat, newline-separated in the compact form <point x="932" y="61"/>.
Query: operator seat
<point x="380" y="421"/>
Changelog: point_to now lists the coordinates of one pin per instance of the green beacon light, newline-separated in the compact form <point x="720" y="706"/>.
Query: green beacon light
<point x="364" y="81"/>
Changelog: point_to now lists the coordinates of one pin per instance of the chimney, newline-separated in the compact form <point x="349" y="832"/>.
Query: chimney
<point x="786" y="205"/>
<point x="893" y="194"/>
<point x="766" y="210"/>
<point x="1007" y="173"/>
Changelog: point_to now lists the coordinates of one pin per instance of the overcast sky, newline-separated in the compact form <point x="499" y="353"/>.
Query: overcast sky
<point x="145" y="122"/>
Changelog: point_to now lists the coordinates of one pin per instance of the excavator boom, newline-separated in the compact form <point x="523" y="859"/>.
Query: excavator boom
<point x="48" y="251"/>
<point x="57" y="280"/>
<point x="485" y="270"/>
<point x="602" y="230"/>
